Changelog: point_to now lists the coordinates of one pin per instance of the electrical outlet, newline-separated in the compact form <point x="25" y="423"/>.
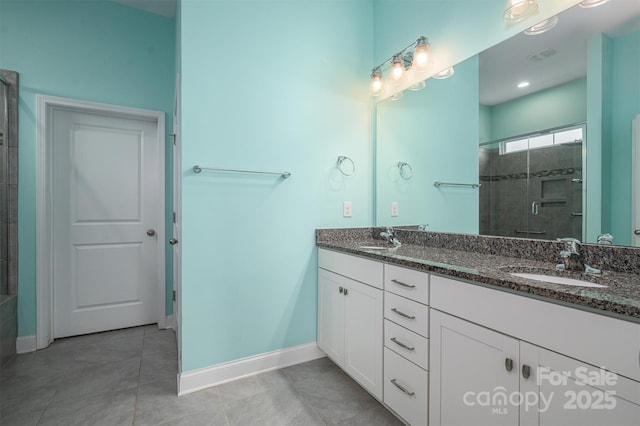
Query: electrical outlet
<point x="346" y="209"/>
<point x="394" y="208"/>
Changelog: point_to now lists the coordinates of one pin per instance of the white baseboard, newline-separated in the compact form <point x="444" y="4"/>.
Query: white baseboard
<point x="170" y="322"/>
<point x="26" y="344"/>
<point x="192" y="381"/>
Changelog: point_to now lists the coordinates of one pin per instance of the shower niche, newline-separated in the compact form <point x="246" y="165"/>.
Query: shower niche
<point x="532" y="186"/>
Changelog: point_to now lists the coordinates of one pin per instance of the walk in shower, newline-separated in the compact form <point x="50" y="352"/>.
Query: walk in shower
<point x="532" y="185"/>
<point x="8" y="214"/>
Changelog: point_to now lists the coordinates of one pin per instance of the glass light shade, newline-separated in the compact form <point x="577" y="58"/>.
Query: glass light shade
<point x="517" y="10"/>
<point x="418" y="86"/>
<point x="591" y="3"/>
<point x="421" y="54"/>
<point x="376" y="83"/>
<point x="397" y="69"/>
<point x="542" y="27"/>
<point x="396" y="96"/>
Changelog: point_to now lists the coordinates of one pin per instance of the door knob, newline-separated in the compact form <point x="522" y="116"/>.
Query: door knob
<point x="637" y="232"/>
<point x="151" y="232"/>
<point x="173" y="241"/>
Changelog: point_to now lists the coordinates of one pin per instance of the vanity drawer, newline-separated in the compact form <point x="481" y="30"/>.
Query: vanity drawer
<point x="406" y="343"/>
<point x="407" y="313"/>
<point x="408" y="283"/>
<point x="405" y="388"/>
<point x="354" y="267"/>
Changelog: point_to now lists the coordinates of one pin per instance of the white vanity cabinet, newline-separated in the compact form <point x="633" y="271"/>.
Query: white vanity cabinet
<point x="350" y="304"/>
<point x="406" y="341"/>
<point x="502" y="359"/>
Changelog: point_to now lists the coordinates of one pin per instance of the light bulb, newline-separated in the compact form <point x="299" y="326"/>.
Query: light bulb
<point x="421" y="54"/>
<point x="376" y="82"/>
<point x="397" y="68"/>
<point x="517" y="10"/>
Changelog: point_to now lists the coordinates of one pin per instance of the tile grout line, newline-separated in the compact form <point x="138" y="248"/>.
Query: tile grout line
<point x="222" y="404"/>
<point x="135" y="403"/>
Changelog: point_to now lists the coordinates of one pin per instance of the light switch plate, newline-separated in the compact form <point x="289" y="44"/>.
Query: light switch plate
<point x="394" y="208"/>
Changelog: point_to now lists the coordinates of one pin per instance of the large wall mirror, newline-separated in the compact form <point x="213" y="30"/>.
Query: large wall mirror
<point x="553" y="159"/>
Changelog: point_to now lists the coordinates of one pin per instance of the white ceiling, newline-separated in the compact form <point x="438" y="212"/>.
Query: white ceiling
<point x="503" y="66"/>
<point x="160" y="7"/>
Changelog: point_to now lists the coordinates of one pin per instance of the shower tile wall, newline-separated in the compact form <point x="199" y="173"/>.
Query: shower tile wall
<point x="508" y="191"/>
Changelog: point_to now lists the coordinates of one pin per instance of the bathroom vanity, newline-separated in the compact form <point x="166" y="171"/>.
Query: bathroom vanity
<point x="444" y="336"/>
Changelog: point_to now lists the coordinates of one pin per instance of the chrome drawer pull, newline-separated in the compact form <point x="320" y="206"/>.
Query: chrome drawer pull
<point x="399" y="343"/>
<point x="402" y="314"/>
<point x="399" y="386"/>
<point x="403" y="284"/>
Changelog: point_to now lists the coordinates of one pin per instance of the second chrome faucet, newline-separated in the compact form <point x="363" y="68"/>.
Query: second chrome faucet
<point x="573" y="257"/>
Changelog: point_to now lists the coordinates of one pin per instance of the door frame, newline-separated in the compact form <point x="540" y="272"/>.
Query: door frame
<point x="44" y="203"/>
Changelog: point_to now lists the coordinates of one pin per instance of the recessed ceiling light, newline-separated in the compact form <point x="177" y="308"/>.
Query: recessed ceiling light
<point x="542" y="27"/>
<point x="591" y="3"/>
<point x="523" y="84"/>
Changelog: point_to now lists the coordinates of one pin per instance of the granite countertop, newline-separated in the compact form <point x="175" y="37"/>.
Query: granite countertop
<point x="621" y="299"/>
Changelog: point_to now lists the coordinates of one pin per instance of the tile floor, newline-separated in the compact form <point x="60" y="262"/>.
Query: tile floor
<point x="128" y="377"/>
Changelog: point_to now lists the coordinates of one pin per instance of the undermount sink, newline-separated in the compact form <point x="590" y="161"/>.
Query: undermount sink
<point x="557" y="280"/>
<point x="379" y="248"/>
<point x="553" y="276"/>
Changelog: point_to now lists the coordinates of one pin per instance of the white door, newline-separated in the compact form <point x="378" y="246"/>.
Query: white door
<point x="106" y="187"/>
<point x="177" y="214"/>
<point x="571" y="393"/>
<point x="363" y="335"/>
<point x="468" y="363"/>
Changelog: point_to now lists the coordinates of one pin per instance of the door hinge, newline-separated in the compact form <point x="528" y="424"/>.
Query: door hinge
<point x="174" y="217"/>
<point x="174" y="295"/>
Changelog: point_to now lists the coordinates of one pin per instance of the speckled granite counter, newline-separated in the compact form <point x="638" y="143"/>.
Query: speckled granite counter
<point x="621" y="299"/>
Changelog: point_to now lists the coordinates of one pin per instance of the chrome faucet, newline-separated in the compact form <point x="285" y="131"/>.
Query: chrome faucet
<point x="390" y="236"/>
<point x="573" y="258"/>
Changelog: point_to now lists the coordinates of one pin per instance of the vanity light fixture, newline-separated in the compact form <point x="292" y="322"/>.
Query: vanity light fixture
<point x="517" y="10"/>
<point x="523" y="84"/>
<point x="445" y="73"/>
<point x="585" y="4"/>
<point x="542" y="27"/>
<point x="418" y="86"/>
<point x="414" y="57"/>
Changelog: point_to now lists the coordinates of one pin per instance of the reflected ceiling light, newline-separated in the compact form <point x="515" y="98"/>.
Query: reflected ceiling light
<point x="396" y="96"/>
<point x="542" y="27"/>
<point x="523" y="84"/>
<point x="418" y="86"/>
<point x="445" y="73"/>
<point x="591" y="3"/>
<point x="376" y="82"/>
<point x="517" y="10"/>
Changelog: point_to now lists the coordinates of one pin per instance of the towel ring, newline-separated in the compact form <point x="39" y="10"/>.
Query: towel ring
<point x="405" y="170"/>
<point x="349" y="170"/>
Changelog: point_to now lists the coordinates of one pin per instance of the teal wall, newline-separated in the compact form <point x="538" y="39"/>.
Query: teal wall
<point x="435" y="130"/>
<point x="554" y="107"/>
<point x="267" y="85"/>
<point x="625" y="105"/>
<point x="95" y="51"/>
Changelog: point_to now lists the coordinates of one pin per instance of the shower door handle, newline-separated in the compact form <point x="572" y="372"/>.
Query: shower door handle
<point x="535" y="208"/>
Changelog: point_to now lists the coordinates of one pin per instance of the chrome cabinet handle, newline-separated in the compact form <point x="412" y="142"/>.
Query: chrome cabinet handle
<point x="341" y="290"/>
<point x="346" y="291"/>
<point x="402" y="314"/>
<point x="402" y="388"/>
<point x="173" y="241"/>
<point x="151" y="232"/>
<point x="508" y="364"/>
<point x="399" y="343"/>
<point x="403" y="284"/>
<point x="526" y="371"/>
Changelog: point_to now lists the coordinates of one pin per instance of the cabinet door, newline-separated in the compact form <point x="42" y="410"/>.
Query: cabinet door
<point x="563" y="391"/>
<point x="473" y="372"/>
<point x="331" y="315"/>
<point x="363" y="335"/>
